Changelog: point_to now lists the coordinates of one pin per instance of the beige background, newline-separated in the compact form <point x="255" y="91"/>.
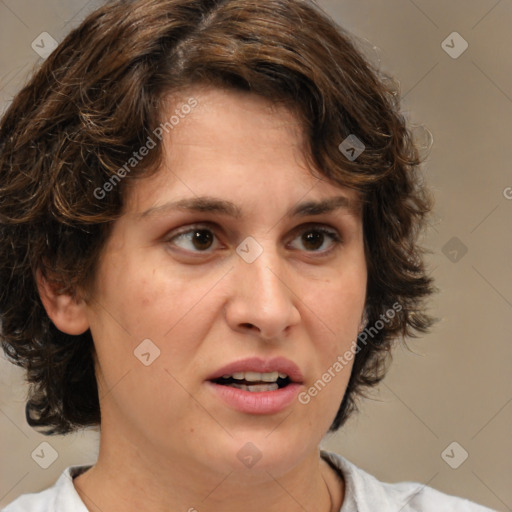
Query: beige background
<point x="453" y="385"/>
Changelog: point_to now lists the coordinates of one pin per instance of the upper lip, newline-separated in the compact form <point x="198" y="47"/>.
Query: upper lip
<point x="257" y="364"/>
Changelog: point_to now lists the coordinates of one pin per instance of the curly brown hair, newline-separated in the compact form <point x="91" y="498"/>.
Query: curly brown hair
<point x="95" y="100"/>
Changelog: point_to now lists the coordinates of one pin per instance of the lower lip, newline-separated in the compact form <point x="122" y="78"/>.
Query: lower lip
<point x="263" y="402"/>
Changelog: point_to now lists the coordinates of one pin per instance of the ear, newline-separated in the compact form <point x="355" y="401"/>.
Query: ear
<point x="68" y="313"/>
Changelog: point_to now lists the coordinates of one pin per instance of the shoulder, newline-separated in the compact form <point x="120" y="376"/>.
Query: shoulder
<point x="364" y="493"/>
<point x="61" y="497"/>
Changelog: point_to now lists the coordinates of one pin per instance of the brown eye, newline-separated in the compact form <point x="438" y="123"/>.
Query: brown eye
<point x="202" y="239"/>
<point x="317" y="239"/>
<point x="194" y="240"/>
<point x="313" y="240"/>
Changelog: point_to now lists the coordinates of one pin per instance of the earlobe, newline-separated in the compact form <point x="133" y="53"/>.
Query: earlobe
<point x="68" y="313"/>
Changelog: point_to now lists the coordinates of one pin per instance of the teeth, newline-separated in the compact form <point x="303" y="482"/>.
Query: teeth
<point x="256" y="388"/>
<point x="269" y="377"/>
<point x="256" y="377"/>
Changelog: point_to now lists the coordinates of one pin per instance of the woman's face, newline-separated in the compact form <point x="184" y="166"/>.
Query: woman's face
<point x="243" y="274"/>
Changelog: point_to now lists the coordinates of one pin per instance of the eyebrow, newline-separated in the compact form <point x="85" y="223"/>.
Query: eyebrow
<point x="220" y="206"/>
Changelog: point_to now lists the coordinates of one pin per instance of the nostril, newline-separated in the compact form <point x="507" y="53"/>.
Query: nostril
<point x="250" y="326"/>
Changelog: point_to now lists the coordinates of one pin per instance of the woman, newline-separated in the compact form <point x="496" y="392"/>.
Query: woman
<point x="209" y="212"/>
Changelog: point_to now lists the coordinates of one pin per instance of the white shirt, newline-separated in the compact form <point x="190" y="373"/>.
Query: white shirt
<point x="363" y="493"/>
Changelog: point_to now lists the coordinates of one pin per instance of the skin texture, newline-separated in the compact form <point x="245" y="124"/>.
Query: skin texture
<point x="167" y="441"/>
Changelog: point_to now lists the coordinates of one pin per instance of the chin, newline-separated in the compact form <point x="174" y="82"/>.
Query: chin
<point x="262" y="451"/>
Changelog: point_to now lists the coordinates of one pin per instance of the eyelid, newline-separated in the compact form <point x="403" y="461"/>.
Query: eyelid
<point x="190" y="227"/>
<point x="318" y="226"/>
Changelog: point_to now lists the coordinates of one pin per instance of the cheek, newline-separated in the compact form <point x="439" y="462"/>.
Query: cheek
<point x="334" y="308"/>
<point x="143" y="296"/>
<point x="145" y="300"/>
<point x="167" y="311"/>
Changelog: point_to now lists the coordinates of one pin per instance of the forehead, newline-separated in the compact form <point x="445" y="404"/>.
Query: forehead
<point x="233" y="147"/>
<point x="232" y="122"/>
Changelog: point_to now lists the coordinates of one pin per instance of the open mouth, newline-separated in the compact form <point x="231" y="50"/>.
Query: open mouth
<point x="257" y="386"/>
<point x="255" y="382"/>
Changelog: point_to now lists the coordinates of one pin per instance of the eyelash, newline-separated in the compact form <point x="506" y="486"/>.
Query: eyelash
<point x="332" y="234"/>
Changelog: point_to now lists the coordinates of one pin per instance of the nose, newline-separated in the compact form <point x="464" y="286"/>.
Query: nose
<point x="262" y="299"/>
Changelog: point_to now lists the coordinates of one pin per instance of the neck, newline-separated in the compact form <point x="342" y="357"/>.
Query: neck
<point x="134" y="479"/>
